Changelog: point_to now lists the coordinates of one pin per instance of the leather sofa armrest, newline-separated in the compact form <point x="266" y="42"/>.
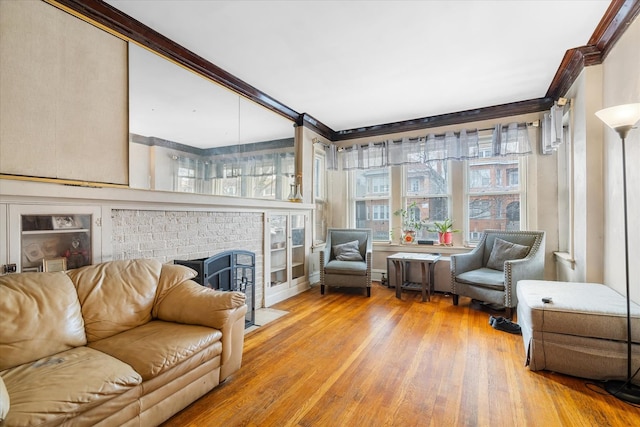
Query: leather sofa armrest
<point x="4" y="401"/>
<point x="194" y="304"/>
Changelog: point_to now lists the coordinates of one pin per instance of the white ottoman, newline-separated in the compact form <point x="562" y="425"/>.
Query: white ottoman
<point x="582" y="332"/>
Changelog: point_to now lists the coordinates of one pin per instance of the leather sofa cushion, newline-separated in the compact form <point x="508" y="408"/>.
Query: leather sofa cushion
<point x="40" y="316"/>
<point x="487" y="277"/>
<point x="116" y="296"/>
<point x="171" y="276"/>
<point x="62" y="386"/>
<point x="157" y="346"/>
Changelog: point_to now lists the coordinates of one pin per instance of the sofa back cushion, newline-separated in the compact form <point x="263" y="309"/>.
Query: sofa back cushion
<point x="517" y="237"/>
<point x="39" y="316"/>
<point x="340" y="237"/>
<point x="116" y="296"/>
<point x="171" y="276"/>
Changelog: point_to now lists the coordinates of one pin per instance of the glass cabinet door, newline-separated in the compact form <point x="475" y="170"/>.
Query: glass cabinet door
<point x="278" y="248"/>
<point x="55" y="242"/>
<point x="53" y="237"/>
<point x="297" y="245"/>
<point x="286" y="253"/>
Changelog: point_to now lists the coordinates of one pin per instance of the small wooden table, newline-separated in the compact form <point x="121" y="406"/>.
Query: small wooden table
<point x="401" y="260"/>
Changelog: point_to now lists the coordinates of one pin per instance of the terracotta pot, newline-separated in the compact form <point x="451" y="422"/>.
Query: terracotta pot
<point x="409" y="236"/>
<point x="446" y="238"/>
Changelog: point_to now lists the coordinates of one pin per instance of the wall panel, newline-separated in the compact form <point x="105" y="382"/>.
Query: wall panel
<point x="63" y="96"/>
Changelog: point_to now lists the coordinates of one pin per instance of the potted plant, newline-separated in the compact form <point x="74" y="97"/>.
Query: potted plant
<point x="445" y="231"/>
<point x="410" y="223"/>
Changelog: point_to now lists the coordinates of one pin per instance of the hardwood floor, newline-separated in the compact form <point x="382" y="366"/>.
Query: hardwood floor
<point x="346" y="360"/>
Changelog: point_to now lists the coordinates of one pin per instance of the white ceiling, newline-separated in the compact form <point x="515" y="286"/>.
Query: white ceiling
<point x="361" y="63"/>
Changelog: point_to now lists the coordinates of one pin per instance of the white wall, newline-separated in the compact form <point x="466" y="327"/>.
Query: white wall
<point x="598" y="232"/>
<point x="621" y="85"/>
<point x="586" y="263"/>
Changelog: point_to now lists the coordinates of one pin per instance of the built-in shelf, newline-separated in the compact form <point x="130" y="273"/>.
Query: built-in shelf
<point x="71" y="230"/>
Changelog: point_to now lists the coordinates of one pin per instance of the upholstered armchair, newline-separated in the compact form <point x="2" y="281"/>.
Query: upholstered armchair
<point x="491" y="271"/>
<point x="346" y="259"/>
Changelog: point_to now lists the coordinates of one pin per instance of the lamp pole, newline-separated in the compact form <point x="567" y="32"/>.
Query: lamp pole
<point x="622" y="119"/>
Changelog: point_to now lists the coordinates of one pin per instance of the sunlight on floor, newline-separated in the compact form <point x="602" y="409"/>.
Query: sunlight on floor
<point x="264" y="316"/>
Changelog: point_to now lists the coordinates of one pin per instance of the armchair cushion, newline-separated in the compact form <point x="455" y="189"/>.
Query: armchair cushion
<point x="485" y="277"/>
<point x="348" y="251"/>
<point x="353" y="268"/>
<point x="503" y="251"/>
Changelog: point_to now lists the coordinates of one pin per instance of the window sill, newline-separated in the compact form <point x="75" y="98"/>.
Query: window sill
<point x="565" y="258"/>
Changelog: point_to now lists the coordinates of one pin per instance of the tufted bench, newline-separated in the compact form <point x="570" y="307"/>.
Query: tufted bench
<point x="581" y="332"/>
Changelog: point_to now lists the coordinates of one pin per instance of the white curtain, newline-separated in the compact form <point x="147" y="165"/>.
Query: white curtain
<point x="451" y="146"/>
<point x="372" y="155"/>
<point x="405" y="150"/>
<point x="331" y="157"/>
<point x="511" y="140"/>
<point x="552" y="131"/>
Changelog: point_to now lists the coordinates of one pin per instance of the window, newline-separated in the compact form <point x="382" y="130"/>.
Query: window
<point x="188" y="175"/>
<point x="319" y="196"/>
<point x="493" y="199"/>
<point x="480" y="177"/>
<point x="428" y="186"/>
<point x="413" y="184"/>
<point x="370" y="189"/>
<point x="263" y="182"/>
<point x="186" y="180"/>
<point x="380" y="185"/>
<point x="380" y="212"/>
<point x="566" y="188"/>
<point x="231" y="182"/>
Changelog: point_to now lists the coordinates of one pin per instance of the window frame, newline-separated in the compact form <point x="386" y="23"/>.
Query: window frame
<point x="522" y="162"/>
<point x="408" y="194"/>
<point x="319" y="193"/>
<point x="368" y="197"/>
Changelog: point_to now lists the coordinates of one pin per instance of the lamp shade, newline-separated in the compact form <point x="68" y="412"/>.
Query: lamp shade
<point x="626" y="115"/>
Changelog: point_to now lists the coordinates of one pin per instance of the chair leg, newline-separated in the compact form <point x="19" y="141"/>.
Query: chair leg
<point x="455" y="299"/>
<point x="321" y="289"/>
<point x="369" y="292"/>
<point x="508" y="312"/>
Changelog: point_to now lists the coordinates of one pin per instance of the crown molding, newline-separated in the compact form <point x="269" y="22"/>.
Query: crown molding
<point x="477" y="114"/>
<point x="619" y="15"/>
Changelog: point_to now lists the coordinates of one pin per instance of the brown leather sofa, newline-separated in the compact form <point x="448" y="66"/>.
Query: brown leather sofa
<point x="126" y="343"/>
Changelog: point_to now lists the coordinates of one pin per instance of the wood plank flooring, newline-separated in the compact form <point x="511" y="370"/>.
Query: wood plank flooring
<point x="343" y="359"/>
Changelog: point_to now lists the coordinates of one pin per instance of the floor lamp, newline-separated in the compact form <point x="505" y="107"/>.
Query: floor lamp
<point x="622" y="118"/>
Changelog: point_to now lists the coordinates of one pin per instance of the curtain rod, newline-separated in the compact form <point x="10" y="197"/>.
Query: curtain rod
<point x="535" y="123"/>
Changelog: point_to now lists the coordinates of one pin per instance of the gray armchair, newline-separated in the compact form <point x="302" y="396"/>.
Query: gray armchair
<point x="346" y="259"/>
<point x="491" y="271"/>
